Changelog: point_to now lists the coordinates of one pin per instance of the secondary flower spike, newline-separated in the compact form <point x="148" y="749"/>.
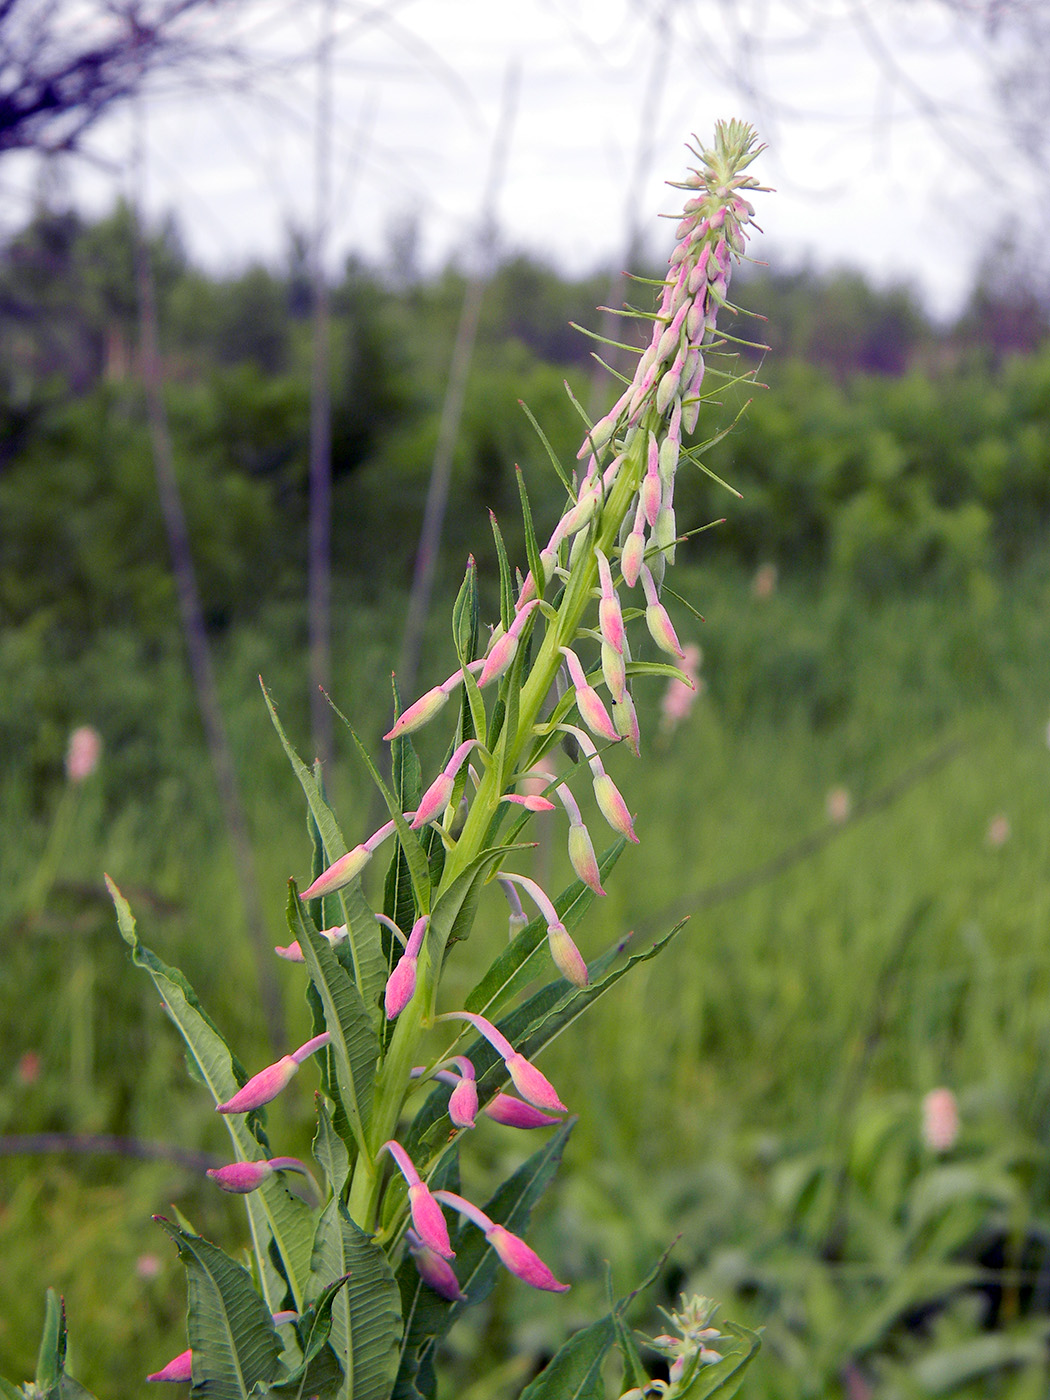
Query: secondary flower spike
<point x="268" y="1083"/>
<point x="513" y="1252"/>
<point x="526" y="1078"/>
<point x="426" y="1213"/>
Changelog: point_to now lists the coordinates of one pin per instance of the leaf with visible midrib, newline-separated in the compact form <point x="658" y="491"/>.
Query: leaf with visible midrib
<point x="231" y="1332"/>
<point x="575" y="1372"/>
<point x="366" y="1314"/>
<point x="272" y="1210"/>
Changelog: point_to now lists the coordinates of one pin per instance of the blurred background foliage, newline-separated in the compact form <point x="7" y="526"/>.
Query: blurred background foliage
<point x="854" y="810"/>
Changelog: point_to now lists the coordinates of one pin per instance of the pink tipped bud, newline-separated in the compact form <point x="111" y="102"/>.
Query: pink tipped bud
<point x="417" y="714"/>
<point x="340" y="874"/>
<point x="463" y="1103"/>
<point x="505" y="648"/>
<point x="516" y="1113"/>
<point x="293" y="953"/>
<point x="584" y="862"/>
<point x="428" y="1219"/>
<point x="532" y="802"/>
<point x="632" y="556"/>
<point x="179" y="1368"/>
<point x="613" y="807"/>
<point x="262" y="1087"/>
<point x="439" y="794"/>
<point x="657" y="620"/>
<point x="436" y="1272"/>
<point x="567" y="957"/>
<point x="522" y="1261"/>
<point x="625" y="720"/>
<point x="241" y="1177"/>
<point x="531" y="1084"/>
<point x="588" y="702"/>
<point x="401" y="984"/>
<point x="83" y="754"/>
<point x="614" y="669"/>
<point x="665" y="532"/>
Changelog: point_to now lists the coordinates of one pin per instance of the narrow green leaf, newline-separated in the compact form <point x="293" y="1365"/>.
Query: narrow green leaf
<point x="406" y="779"/>
<point x="366" y="1315"/>
<point x="363" y="931"/>
<point x="506" y="577"/>
<point x="575" y="1371"/>
<point x="532" y="545"/>
<point x="354" y="1044"/>
<point x="657" y="668"/>
<point x="51" y="1357"/>
<point x="273" y="1212"/>
<point x="318" y="1372"/>
<point x="330" y="1151"/>
<point x="231" y="1333"/>
<point x="476" y="704"/>
<point x="414" y="854"/>
<point x="466" y="615"/>
<point x="563" y="475"/>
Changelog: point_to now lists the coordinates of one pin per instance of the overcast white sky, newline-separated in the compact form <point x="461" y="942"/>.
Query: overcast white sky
<point x="878" y="116"/>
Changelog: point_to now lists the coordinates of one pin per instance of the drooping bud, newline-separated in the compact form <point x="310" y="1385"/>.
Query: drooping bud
<point x="268" y="1083"/>
<point x="438" y="795"/>
<point x="179" y="1368"/>
<point x="294" y="953"/>
<point x="614" y="669"/>
<point x="425" y="1211"/>
<point x="657" y="620"/>
<point x="516" y="1113"/>
<point x="566" y="955"/>
<point x="527" y="1079"/>
<point x="436" y="1272"/>
<point x="610" y="618"/>
<point x="513" y="1252"/>
<point x="240" y="1178"/>
<point x="401" y="984"/>
<point x="581" y="849"/>
<point x="625" y="720"/>
<point x="347" y="868"/>
<point x="504" y="649"/>
<point x="613" y="807"/>
<point x="518" y="918"/>
<point x="588" y="702"/>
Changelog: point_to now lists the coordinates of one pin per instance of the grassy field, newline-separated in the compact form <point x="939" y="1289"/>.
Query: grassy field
<point x="756" y="1091"/>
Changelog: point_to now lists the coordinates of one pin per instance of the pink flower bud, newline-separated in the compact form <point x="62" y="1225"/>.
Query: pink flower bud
<point x="293" y="953"/>
<point x="625" y="720"/>
<point x="463" y="1101"/>
<point x="567" y="957"/>
<point x="504" y="649"/>
<point x="610" y="619"/>
<point x="940" y="1120"/>
<point x="513" y="1253"/>
<point x="83" y="754"/>
<point x="437" y="797"/>
<point x="339" y="874"/>
<point x="657" y="620"/>
<point x="522" y="1261"/>
<point x="428" y="1220"/>
<point x="581" y="850"/>
<point x="531" y="801"/>
<point x="614" y="669"/>
<point x="417" y="714"/>
<point x="241" y="1177"/>
<point x="179" y="1368"/>
<point x="527" y="1079"/>
<point x="613" y="807"/>
<point x="436" y="1272"/>
<point x="632" y="555"/>
<point x="516" y="1113"/>
<point x="588" y="702"/>
<point x="401" y="984"/>
<point x="268" y="1083"/>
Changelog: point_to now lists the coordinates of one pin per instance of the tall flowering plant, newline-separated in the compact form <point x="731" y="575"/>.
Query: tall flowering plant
<point x="355" y="1281"/>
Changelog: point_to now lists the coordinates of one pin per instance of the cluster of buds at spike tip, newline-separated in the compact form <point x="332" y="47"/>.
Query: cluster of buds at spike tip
<point x="427" y="1220"/>
<point x="347" y="868"/>
<point x="268" y="1083"/>
<point x="526" y="1078"/>
<point x="294" y="953"/>
<point x="513" y="1252"/>
<point x="401" y="984"/>
<point x="567" y="957"/>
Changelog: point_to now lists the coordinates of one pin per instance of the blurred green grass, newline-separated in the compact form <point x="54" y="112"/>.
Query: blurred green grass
<point x="802" y="1014"/>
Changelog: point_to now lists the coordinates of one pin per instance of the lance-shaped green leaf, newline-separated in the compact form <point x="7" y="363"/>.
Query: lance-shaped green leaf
<point x="532" y="547"/>
<point x="362" y="929"/>
<point x="414" y="853"/>
<point x="273" y="1212"/>
<point x="366" y="1315"/>
<point x="506" y="578"/>
<point x="523" y="959"/>
<point x="658" y="668"/>
<point x="234" y="1343"/>
<point x="476" y="1264"/>
<point x="354" y="1044"/>
<point x="575" y="1371"/>
<point x="563" y="475"/>
<point x="330" y="1150"/>
<point x="466" y="615"/>
<point x="724" y="1378"/>
<point x="51" y="1356"/>
<point x="318" y="1372"/>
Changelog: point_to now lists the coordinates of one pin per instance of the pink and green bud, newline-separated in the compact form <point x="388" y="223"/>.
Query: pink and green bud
<point x="401" y="984"/>
<point x="179" y="1368"/>
<point x="419" y="713"/>
<point x="614" y="670"/>
<point x="613" y="807"/>
<point x="516" y="1113"/>
<point x="588" y="702"/>
<point x="581" y="849"/>
<point x="347" y="868"/>
<point x="665" y="534"/>
<point x="633" y="550"/>
<point x="657" y="620"/>
<point x="625" y="720"/>
<point x="505" y="648"/>
<point x="438" y="795"/>
<point x="610" y="619"/>
<point x="463" y="1101"/>
<point x="531" y="801"/>
<point x="294" y="953"/>
<point x="268" y="1083"/>
<point x="526" y="1078"/>
<point x="513" y="1252"/>
<point x="436" y="1273"/>
<point x="424" y="1209"/>
<point x="240" y="1178"/>
<point x="567" y="957"/>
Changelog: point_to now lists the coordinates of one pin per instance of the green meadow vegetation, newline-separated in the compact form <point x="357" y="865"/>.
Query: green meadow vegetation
<point x="853" y="813"/>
